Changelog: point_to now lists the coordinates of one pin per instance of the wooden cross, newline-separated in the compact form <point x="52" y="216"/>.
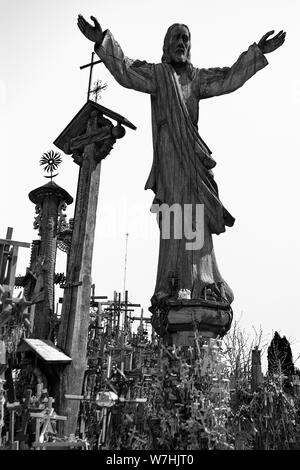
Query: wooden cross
<point x="89" y="139"/>
<point x="91" y="65"/>
<point x="45" y="418"/>
<point x="8" y="258"/>
<point x="96" y="297"/>
<point x="12" y="408"/>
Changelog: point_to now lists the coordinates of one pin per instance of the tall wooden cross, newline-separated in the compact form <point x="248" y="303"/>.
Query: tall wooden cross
<point x="89" y="138"/>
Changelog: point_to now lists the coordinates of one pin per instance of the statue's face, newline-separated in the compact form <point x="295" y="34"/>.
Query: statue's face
<point x="179" y="44"/>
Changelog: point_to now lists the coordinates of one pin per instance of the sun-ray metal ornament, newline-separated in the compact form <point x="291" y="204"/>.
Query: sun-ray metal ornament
<point x="51" y="161"/>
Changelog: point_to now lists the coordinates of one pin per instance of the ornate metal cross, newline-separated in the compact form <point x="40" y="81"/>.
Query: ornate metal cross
<point x="98" y="85"/>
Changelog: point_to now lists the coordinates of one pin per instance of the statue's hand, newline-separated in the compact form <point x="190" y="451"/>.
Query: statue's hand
<point x="93" y="33"/>
<point x="271" y="45"/>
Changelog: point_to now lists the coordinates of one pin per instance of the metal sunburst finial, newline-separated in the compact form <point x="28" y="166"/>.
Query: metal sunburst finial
<point x="51" y="161"/>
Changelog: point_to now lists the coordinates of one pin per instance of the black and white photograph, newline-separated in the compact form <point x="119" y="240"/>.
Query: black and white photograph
<point x="149" y="245"/>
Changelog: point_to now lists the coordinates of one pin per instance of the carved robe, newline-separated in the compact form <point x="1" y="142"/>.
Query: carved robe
<point x="181" y="170"/>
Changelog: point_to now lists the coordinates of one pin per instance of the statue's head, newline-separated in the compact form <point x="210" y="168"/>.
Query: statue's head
<point x="177" y="44"/>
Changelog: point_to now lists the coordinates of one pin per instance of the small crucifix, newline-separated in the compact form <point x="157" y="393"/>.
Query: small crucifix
<point x="99" y="86"/>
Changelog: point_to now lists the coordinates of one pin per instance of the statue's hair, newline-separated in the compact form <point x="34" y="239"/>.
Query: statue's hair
<point x="166" y="47"/>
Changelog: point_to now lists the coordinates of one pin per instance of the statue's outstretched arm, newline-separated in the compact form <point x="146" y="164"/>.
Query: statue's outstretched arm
<point x="134" y="74"/>
<point x="219" y="81"/>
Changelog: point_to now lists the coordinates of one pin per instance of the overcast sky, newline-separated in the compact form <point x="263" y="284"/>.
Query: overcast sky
<point x="253" y="133"/>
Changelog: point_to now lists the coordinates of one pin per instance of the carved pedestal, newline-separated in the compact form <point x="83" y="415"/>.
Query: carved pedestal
<point x="178" y="319"/>
<point x="50" y="201"/>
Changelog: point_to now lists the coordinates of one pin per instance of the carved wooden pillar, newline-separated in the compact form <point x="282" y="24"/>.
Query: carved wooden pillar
<point x="49" y="200"/>
<point x="89" y="137"/>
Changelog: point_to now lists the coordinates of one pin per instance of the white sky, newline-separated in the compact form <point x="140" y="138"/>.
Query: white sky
<point x="253" y="134"/>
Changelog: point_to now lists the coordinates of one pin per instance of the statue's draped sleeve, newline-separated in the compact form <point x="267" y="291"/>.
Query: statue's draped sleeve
<point x="135" y="74"/>
<point x="219" y="81"/>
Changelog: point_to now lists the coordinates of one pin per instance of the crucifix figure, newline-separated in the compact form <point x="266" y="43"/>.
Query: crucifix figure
<point x="181" y="173"/>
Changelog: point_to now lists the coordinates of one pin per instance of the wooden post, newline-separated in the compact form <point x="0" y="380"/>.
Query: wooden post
<point x="256" y="373"/>
<point x="76" y="303"/>
<point x="89" y="137"/>
<point x="12" y="407"/>
<point x="4" y="255"/>
<point x="25" y="418"/>
<point x="2" y="401"/>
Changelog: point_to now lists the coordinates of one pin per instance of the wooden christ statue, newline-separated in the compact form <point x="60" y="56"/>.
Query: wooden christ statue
<point x="181" y="173"/>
